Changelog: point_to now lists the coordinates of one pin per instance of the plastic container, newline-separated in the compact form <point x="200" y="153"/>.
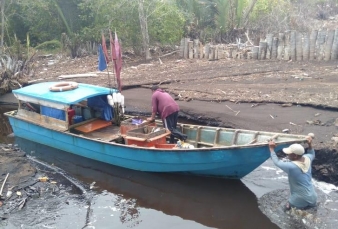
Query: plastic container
<point x="146" y="132"/>
<point x="127" y="125"/>
<point x="158" y="140"/>
<point x="77" y="119"/>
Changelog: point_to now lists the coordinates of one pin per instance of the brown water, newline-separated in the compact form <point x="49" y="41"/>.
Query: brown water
<point x="123" y="198"/>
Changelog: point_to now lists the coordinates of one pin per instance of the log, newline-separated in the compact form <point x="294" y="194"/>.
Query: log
<point x="77" y="76"/>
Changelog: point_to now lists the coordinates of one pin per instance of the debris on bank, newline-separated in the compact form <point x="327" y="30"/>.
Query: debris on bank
<point x="22" y="180"/>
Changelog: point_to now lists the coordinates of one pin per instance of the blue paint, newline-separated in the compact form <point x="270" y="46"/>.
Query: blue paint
<point x="228" y="163"/>
<point x="41" y="91"/>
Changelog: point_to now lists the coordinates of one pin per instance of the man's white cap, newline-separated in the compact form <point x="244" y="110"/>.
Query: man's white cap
<point x="297" y="149"/>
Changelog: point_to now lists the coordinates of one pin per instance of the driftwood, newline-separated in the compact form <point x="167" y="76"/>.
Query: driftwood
<point x="77" y="76"/>
<point x="168" y="54"/>
<point x="3" y="184"/>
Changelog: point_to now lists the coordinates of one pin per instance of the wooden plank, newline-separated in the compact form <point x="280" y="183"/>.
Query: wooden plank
<point x="77" y="76"/>
<point x="92" y="126"/>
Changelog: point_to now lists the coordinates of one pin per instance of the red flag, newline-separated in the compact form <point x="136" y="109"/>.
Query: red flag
<point x="104" y="48"/>
<point x="118" y="62"/>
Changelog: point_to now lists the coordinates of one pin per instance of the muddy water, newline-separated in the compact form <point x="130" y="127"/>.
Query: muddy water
<point x="126" y="198"/>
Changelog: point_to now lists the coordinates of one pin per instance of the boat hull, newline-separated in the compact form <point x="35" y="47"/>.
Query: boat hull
<point x="226" y="162"/>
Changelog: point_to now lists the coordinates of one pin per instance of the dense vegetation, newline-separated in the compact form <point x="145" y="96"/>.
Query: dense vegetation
<point x="141" y="24"/>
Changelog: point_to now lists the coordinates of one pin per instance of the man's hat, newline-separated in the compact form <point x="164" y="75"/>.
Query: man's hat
<point x="297" y="149"/>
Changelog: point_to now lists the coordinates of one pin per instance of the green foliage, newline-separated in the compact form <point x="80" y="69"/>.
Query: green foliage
<point x="264" y="7"/>
<point x="166" y="24"/>
<point x="49" y="46"/>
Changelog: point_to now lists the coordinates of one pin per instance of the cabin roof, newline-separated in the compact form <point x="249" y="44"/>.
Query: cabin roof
<point x="41" y="91"/>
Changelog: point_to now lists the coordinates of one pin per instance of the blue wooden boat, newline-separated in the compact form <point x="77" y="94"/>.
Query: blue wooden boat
<point x="83" y="119"/>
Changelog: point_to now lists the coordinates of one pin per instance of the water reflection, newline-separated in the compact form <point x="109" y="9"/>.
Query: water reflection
<point x="216" y="203"/>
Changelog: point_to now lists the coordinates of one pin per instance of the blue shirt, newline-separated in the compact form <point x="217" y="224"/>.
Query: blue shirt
<point x="302" y="191"/>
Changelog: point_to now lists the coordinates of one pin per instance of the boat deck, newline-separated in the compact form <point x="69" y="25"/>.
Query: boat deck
<point x="107" y="134"/>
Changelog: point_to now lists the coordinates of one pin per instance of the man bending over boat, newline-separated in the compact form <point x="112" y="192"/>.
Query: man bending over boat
<point x="167" y="108"/>
<point x="298" y="168"/>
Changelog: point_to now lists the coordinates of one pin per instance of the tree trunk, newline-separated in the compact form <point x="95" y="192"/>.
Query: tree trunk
<point x="247" y="13"/>
<point x="2" y="22"/>
<point x="144" y="29"/>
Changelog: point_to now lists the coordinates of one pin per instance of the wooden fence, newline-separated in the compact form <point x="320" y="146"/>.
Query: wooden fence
<point x="293" y="45"/>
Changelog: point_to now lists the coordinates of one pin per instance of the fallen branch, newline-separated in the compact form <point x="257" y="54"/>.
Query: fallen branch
<point x="3" y="184"/>
<point x="77" y="76"/>
<point x="230" y="108"/>
<point x="168" y="54"/>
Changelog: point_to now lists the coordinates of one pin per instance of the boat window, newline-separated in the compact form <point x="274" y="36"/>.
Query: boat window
<point x="30" y="106"/>
<point x="53" y="112"/>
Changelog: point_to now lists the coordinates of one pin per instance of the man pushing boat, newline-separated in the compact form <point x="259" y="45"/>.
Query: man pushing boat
<point x="298" y="168"/>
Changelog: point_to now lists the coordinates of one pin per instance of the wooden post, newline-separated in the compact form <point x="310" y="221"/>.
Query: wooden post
<point x="313" y="39"/>
<point x="186" y="50"/>
<point x="196" y="48"/>
<point x="201" y="54"/>
<point x="287" y="46"/>
<point x="306" y="46"/>
<point x="281" y="43"/>
<point x="320" y="44"/>
<point x="216" y="52"/>
<point x="255" y="51"/>
<point x="191" y="49"/>
<point x="269" y="38"/>
<point x="292" y="49"/>
<point x="262" y="50"/>
<point x="182" y="48"/>
<point x="328" y="45"/>
<point x="231" y="50"/>
<point x="274" y="48"/>
<point x="212" y="53"/>
<point x="299" y="46"/>
<point x="206" y="51"/>
<point x="334" y="53"/>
